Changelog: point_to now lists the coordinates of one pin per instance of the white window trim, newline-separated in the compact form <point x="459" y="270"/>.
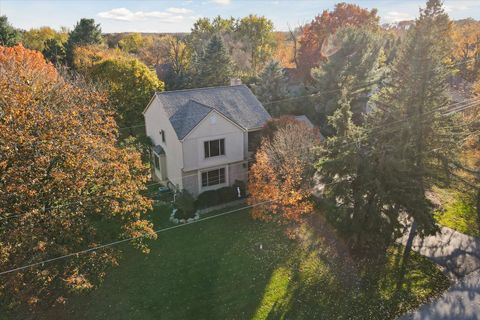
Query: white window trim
<point x="214" y="187"/>
<point x="224" y="155"/>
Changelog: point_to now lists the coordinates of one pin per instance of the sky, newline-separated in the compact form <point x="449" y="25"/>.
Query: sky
<point x="178" y="16"/>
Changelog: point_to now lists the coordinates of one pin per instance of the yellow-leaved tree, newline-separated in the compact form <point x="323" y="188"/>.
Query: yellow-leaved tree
<point x="62" y="176"/>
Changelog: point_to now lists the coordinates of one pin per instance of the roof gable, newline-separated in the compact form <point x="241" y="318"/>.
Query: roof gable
<point x="186" y="108"/>
<point x="187" y="117"/>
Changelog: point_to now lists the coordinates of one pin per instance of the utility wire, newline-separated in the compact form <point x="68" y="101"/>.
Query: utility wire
<point x="470" y="103"/>
<point x="127" y="239"/>
<point x="359" y="87"/>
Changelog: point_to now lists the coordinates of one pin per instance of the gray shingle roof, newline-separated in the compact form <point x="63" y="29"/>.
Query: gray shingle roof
<point x="187" y="116"/>
<point x="186" y="108"/>
<point x="158" y="150"/>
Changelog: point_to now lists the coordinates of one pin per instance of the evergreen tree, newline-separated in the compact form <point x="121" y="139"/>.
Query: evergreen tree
<point x="54" y="51"/>
<point x="214" y="67"/>
<point x="419" y="146"/>
<point x="9" y="36"/>
<point x="353" y="194"/>
<point x="86" y="32"/>
<point x="357" y="58"/>
<point x="271" y="85"/>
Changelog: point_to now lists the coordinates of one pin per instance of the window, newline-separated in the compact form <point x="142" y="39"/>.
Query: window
<point x="156" y="161"/>
<point x="213" y="177"/>
<point x="162" y="133"/>
<point x="214" y="148"/>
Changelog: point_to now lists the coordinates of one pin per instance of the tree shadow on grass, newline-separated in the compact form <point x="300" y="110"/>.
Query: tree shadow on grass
<point x="327" y="284"/>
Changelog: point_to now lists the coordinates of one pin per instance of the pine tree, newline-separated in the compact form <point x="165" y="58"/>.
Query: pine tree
<point x="86" y="32"/>
<point x="357" y="58"/>
<point x="214" y="67"/>
<point x="271" y="85"/>
<point x="9" y="36"/>
<point x="54" y="51"/>
<point x="421" y="141"/>
<point x="353" y="194"/>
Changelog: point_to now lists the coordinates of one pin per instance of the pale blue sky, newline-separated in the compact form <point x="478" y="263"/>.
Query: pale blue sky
<point x="178" y="16"/>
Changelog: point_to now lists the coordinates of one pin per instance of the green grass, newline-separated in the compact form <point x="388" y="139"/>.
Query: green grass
<point x="458" y="213"/>
<point x="215" y="269"/>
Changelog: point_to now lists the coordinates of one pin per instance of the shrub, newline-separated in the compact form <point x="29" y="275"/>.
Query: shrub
<point x="185" y="204"/>
<point x="227" y="194"/>
<point x="208" y="199"/>
<point x="223" y="195"/>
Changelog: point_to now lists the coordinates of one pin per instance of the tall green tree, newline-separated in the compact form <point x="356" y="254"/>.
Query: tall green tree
<point x="9" y="36"/>
<point x="36" y="38"/>
<point x="258" y="38"/>
<point x="204" y="29"/>
<point x="272" y="85"/>
<point x="179" y="62"/>
<point x="214" y="67"/>
<point x="353" y="192"/>
<point x="130" y="85"/>
<point x="86" y="32"/>
<point x="54" y="51"/>
<point x="421" y="145"/>
<point x="358" y="59"/>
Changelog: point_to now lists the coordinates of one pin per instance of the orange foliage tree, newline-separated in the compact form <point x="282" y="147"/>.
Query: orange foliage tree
<point x="62" y="175"/>
<point x="316" y="34"/>
<point x="282" y="175"/>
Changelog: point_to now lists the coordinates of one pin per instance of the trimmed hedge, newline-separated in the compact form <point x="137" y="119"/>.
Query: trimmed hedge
<point x="223" y="195"/>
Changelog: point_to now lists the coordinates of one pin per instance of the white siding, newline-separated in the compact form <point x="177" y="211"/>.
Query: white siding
<point x="213" y="127"/>
<point x="155" y="121"/>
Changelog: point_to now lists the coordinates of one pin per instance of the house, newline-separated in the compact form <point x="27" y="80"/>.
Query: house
<point x="203" y="138"/>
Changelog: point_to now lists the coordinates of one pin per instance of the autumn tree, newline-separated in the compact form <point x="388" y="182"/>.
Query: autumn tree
<point x="130" y="85"/>
<point x="179" y="62"/>
<point x="466" y="48"/>
<point x="315" y="34"/>
<point x="36" y="38"/>
<point x="154" y="50"/>
<point x="283" y="172"/>
<point x="258" y="39"/>
<point x="61" y="174"/>
<point x="214" y="67"/>
<point x="204" y="29"/>
<point x="131" y="43"/>
<point x="9" y="36"/>
<point x="85" y="33"/>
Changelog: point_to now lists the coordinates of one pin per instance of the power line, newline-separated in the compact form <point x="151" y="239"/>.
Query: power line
<point x="359" y="87"/>
<point x="106" y="196"/>
<point x="469" y="103"/>
<point x="128" y="239"/>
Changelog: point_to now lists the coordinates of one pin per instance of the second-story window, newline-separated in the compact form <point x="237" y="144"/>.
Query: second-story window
<point x="214" y="148"/>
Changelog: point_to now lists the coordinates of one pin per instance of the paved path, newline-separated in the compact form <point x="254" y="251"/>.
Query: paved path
<point x="459" y="255"/>
<point x="460" y="302"/>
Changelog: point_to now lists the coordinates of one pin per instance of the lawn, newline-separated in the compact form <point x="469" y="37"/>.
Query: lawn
<point x="458" y="212"/>
<point x="232" y="267"/>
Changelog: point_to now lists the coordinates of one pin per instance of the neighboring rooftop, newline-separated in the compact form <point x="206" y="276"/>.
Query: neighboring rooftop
<point x="303" y="118"/>
<point x="186" y="108"/>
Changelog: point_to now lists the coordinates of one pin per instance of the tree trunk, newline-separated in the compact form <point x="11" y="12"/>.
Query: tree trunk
<point x="406" y="256"/>
<point x="477" y="205"/>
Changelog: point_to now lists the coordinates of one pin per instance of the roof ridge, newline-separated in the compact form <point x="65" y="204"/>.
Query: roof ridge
<point x="197" y="102"/>
<point x="198" y="89"/>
